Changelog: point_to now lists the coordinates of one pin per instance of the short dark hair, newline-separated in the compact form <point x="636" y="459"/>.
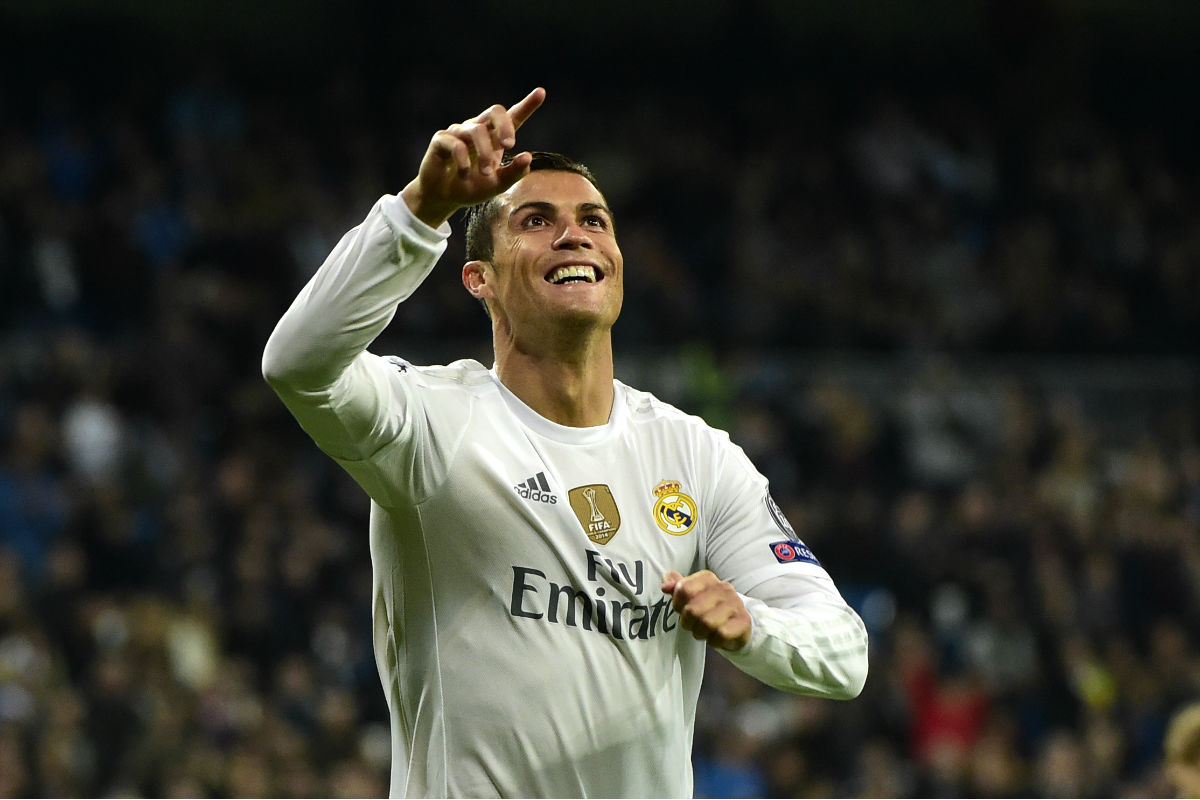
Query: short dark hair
<point x="481" y="218"/>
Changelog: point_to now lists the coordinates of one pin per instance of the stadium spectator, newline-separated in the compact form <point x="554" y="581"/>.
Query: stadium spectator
<point x="1182" y="749"/>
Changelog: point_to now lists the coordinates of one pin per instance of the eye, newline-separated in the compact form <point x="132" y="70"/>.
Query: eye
<point x="595" y="221"/>
<point x="535" y="221"/>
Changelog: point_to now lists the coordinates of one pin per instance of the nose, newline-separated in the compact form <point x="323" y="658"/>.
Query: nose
<point x="573" y="236"/>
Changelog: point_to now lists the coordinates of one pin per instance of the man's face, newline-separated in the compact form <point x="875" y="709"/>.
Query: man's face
<point x="555" y="256"/>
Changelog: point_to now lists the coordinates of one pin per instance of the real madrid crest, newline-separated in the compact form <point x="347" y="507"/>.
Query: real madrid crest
<point x="674" y="512"/>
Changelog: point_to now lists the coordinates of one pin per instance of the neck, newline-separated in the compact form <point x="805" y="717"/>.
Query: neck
<point x="573" y="388"/>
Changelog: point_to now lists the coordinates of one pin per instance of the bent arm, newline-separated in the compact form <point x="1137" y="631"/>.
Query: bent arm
<point x="804" y="638"/>
<point x="345" y="398"/>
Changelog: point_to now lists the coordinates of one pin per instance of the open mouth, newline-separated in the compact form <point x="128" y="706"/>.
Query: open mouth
<point x="574" y="273"/>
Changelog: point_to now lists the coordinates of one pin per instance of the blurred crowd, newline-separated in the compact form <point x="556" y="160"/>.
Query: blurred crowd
<point x="858" y="291"/>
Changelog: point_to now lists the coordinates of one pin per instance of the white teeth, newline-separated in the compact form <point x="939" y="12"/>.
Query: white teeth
<point x="562" y="274"/>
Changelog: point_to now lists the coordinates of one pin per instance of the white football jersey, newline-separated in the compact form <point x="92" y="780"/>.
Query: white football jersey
<point x="522" y="638"/>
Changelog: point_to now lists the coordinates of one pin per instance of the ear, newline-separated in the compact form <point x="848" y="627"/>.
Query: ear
<point x="475" y="279"/>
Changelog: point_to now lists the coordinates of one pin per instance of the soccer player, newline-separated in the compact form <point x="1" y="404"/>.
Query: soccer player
<point x="551" y="548"/>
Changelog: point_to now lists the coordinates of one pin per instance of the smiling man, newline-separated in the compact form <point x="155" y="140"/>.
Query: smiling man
<point x="552" y="550"/>
<point x="545" y="262"/>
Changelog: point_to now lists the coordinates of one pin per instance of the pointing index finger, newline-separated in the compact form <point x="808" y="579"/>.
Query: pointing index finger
<point x="525" y="108"/>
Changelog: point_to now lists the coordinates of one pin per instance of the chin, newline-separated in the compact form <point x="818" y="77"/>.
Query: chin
<point x="587" y="317"/>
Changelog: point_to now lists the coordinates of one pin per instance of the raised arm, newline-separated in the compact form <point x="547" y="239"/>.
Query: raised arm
<point x="316" y="358"/>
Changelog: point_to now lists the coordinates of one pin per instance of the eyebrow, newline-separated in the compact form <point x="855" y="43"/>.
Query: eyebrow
<point x="543" y="206"/>
<point x="595" y="207"/>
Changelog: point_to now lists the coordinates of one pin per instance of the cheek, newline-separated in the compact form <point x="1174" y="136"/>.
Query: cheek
<point x="619" y="262"/>
<point x="516" y="258"/>
<point x="615" y="256"/>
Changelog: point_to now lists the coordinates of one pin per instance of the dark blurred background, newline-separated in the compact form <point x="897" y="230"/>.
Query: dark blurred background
<point x="936" y="266"/>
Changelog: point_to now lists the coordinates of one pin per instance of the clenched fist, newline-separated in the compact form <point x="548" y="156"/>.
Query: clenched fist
<point x="710" y="608"/>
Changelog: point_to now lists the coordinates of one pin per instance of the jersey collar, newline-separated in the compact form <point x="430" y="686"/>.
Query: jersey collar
<point x="563" y="433"/>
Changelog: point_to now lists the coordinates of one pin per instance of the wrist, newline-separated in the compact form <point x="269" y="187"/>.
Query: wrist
<point x="432" y="214"/>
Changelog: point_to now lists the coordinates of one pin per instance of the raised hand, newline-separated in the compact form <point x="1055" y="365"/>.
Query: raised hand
<point x="709" y="608"/>
<point x="461" y="166"/>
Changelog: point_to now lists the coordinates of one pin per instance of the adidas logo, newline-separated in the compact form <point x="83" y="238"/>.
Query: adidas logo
<point x="536" y="488"/>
